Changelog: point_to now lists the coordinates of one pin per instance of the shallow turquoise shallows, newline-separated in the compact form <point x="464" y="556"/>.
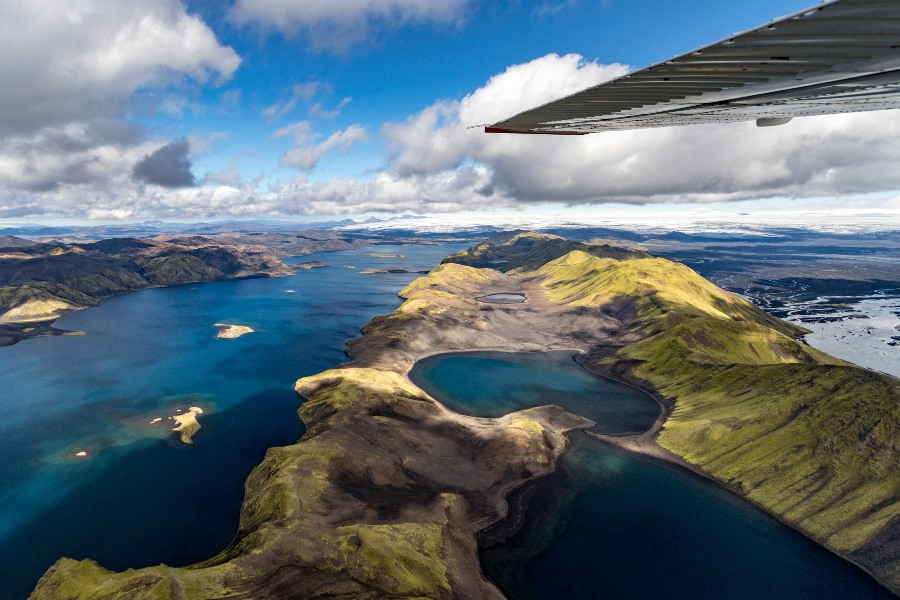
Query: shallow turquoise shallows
<point x="610" y="524"/>
<point x="140" y="497"/>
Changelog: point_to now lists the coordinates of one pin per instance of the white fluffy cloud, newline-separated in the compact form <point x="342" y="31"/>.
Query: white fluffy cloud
<point x="69" y="70"/>
<point x="68" y="60"/>
<point x="436" y="163"/>
<point x="834" y="155"/>
<point x="339" y="25"/>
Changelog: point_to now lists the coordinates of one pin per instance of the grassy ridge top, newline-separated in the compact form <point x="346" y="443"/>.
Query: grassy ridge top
<point x="522" y="251"/>
<point x="667" y="293"/>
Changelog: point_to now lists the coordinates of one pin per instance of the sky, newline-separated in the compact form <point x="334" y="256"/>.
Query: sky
<point x="219" y="109"/>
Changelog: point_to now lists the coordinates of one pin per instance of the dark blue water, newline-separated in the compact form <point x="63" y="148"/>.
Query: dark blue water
<point x="142" y="497"/>
<point x="493" y="384"/>
<point x="610" y="524"/>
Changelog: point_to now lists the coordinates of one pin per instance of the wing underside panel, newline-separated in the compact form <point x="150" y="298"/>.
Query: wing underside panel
<point x="840" y="56"/>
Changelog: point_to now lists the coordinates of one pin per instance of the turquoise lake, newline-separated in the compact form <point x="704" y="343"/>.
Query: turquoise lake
<point x="141" y="497"/>
<point x="493" y="384"/>
<point x="610" y="524"/>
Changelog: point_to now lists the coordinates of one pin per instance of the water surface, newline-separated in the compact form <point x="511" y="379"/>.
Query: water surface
<point x="610" y="524"/>
<point x="502" y="298"/>
<point x="493" y="384"/>
<point x="141" y="497"/>
<point x="866" y="333"/>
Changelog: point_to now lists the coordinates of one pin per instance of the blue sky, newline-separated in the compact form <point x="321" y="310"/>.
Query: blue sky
<point x="397" y="71"/>
<point x="251" y="108"/>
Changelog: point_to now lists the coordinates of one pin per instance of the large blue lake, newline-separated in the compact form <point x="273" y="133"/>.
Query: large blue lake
<point x="609" y="524"/>
<point x="140" y="497"/>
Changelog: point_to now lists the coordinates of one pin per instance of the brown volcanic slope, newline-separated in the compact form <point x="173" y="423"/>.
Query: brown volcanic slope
<point x="385" y="493"/>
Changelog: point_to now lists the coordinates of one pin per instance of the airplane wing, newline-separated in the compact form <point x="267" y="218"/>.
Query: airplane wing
<point x="840" y="56"/>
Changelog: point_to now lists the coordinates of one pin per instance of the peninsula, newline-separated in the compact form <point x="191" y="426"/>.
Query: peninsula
<point x="385" y="494"/>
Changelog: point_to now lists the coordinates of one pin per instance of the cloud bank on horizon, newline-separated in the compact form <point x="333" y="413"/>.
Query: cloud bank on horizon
<point x="160" y="109"/>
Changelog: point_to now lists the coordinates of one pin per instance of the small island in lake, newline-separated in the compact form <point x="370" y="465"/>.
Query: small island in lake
<point x="187" y="424"/>
<point x="312" y="264"/>
<point x="229" y="332"/>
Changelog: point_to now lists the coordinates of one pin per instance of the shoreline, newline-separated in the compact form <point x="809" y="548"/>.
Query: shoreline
<point x="642" y="444"/>
<point x="645" y="444"/>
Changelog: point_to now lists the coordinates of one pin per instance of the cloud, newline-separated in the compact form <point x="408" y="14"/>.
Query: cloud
<point x="817" y="156"/>
<point x="21" y="211"/>
<point x="70" y="154"/>
<point x="551" y="9"/>
<point x="168" y="166"/>
<point x="306" y="154"/>
<point x="299" y="92"/>
<point x="338" y="26"/>
<point x="436" y="164"/>
<point x="317" y="110"/>
<point x="305" y="92"/>
<point x="74" y="60"/>
<point x="72" y="70"/>
<point x="301" y="131"/>
<point x="440" y="137"/>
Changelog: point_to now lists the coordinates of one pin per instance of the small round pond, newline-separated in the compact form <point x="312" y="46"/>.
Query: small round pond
<point x="503" y="298"/>
<point x="612" y="524"/>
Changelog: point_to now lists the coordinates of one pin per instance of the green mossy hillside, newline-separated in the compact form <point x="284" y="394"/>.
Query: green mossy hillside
<point x="177" y="268"/>
<point x="813" y="441"/>
<point x="86" y="580"/>
<point x="666" y="293"/>
<point x="448" y="277"/>
<point x="522" y="251"/>
<point x="707" y="340"/>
